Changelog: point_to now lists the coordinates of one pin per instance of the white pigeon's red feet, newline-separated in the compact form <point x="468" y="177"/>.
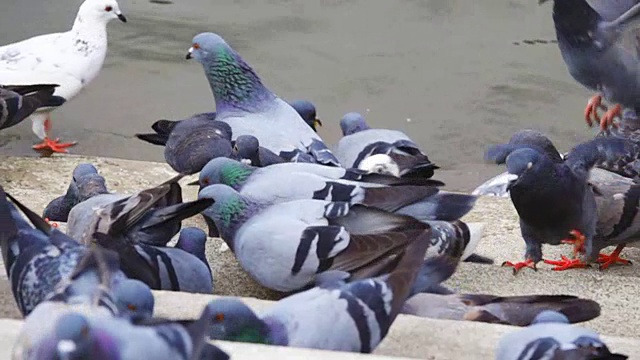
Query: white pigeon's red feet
<point x="54" y="145"/>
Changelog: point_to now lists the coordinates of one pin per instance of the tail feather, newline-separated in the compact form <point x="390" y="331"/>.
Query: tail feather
<point x="433" y="271"/>
<point x="392" y="198"/>
<point x="8" y="229"/>
<point x="176" y="212"/>
<point x="443" y="206"/>
<point x="155" y="139"/>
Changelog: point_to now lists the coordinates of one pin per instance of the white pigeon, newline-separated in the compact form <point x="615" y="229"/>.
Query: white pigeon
<point x="70" y="59"/>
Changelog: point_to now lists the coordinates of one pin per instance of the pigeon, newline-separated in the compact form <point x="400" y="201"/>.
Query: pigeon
<point x="18" y="102"/>
<point x="338" y="316"/>
<point x="288" y="181"/>
<point x="247" y="150"/>
<point x="243" y="102"/>
<point x="84" y="336"/>
<point x="307" y="111"/>
<point x="599" y="44"/>
<point x="508" y="310"/>
<point x="557" y="204"/>
<point x="58" y="209"/>
<point x="194" y="240"/>
<point x="286" y="245"/>
<point x="152" y="216"/>
<point x="134" y="300"/>
<point x="380" y="150"/>
<point x="32" y="254"/>
<point x="70" y="59"/>
<point x="138" y="228"/>
<point x="88" y="289"/>
<point x="190" y="143"/>
<point x="551" y="337"/>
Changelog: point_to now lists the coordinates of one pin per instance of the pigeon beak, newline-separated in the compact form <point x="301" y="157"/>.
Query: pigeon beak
<point x="540" y="2"/>
<point x="317" y="122"/>
<point x="189" y="56"/>
<point x="512" y="178"/>
<point x="121" y="17"/>
<point x="196" y="182"/>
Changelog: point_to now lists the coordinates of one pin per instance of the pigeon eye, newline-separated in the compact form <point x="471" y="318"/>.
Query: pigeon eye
<point x="205" y="181"/>
<point x="219" y="317"/>
<point x="235" y="148"/>
<point x="108" y="8"/>
<point x="196" y="46"/>
<point x="132" y="307"/>
<point x="84" y="331"/>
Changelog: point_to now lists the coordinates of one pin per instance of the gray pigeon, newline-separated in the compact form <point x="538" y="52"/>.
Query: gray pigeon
<point x="384" y="151"/>
<point x="551" y="337"/>
<point x="138" y="228"/>
<point x="307" y="111"/>
<point x="84" y="336"/>
<point x="194" y="240"/>
<point x="247" y="149"/>
<point x="557" y="203"/>
<point x="33" y="254"/>
<point x="243" y="102"/>
<point x="598" y="41"/>
<point x="336" y="316"/>
<point x="20" y="101"/>
<point x="152" y="216"/>
<point x="509" y="310"/>
<point x="58" y="209"/>
<point x="190" y="143"/>
<point x="285" y="246"/>
<point x="289" y="181"/>
<point x="88" y="289"/>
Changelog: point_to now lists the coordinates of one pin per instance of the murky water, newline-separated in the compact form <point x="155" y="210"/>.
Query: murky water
<point x="445" y="71"/>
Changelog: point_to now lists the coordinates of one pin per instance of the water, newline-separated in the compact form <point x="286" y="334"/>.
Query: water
<point x="447" y="72"/>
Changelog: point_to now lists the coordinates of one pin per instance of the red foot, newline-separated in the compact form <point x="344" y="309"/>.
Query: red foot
<point x="519" y="265"/>
<point x="577" y="240"/>
<point x="607" y="260"/>
<point x="593" y="105"/>
<point x="565" y="263"/>
<point x="53" y="145"/>
<point x="608" y="120"/>
<point x="55" y="225"/>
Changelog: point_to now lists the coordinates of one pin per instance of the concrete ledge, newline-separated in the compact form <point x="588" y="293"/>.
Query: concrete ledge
<point x="37" y="181"/>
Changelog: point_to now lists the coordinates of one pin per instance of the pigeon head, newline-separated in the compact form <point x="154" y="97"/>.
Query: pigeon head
<point x="352" y="123"/>
<point x="234" y="84"/>
<point x="522" y="160"/>
<point x="134" y="299"/>
<point x="82" y="170"/>
<point x="226" y="171"/>
<point x="549" y="316"/>
<point x="228" y="210"/>
<point x="307" y="111"/>
<point x="246" y="149"/>
<point x="100" y="11"/>
<point x="235" y="321"/>
<point x="193" y="240"/>
<point x="90" y="185"/>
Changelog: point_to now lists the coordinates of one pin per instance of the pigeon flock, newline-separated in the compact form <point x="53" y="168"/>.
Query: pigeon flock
<point x="351" y="235"/>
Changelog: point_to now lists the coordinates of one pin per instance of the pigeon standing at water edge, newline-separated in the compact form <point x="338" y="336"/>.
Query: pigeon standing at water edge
<point x="243" y="102"/>
<point x="71" y="59"/>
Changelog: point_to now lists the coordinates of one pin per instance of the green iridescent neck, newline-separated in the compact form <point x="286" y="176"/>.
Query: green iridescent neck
<point x="235" y="175"/>
<point x="230" y="210"/>
<point x="234" y="83"/>
<point x="251" y="335"/>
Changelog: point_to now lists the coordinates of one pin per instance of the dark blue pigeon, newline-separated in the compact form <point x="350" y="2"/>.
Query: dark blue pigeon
<point x="384" y="151"/>
<point x="247" y="150"/>
<point x="557" y="202"/>
<point x="19" y="101"/>
<point x="338" y="316"/>
<point x="598" y="41"/>
<point x="58" y="209"/>
<point x="190" y="143"/>
<point x="550" y="336"/>
<point x="250" y="108"/>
